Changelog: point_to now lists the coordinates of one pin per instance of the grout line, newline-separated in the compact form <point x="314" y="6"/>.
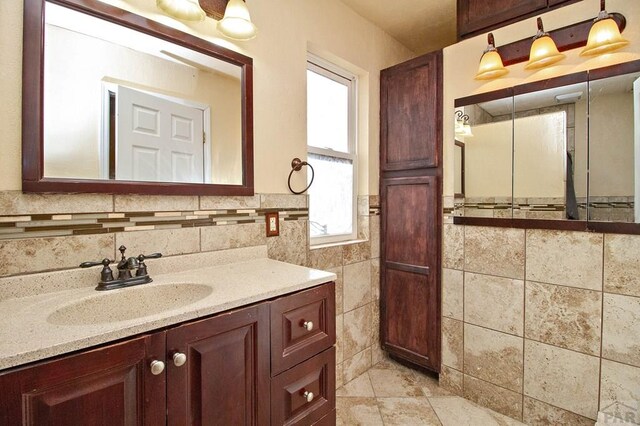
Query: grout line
<point x="491" y="383"/>
<point x="524" y="323"/>
<point x="601" y="327"/>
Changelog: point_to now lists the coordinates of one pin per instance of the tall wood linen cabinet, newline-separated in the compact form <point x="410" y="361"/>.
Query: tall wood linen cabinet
<point x="411" y="216"/>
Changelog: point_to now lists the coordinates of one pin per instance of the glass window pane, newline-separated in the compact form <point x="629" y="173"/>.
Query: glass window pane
<point x="331" y="196"/>
<point x="327" y="113"/>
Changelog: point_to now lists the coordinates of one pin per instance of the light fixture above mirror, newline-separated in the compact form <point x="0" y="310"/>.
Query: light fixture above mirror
<point x="187" y="10"/>
<point x="544" y="51"/>
<point x="491" y="66"/>
<point x="236" y="23"/>
<point x="604" y="35"/>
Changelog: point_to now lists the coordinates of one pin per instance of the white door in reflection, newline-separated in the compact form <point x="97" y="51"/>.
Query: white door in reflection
<point x="158" y="140"/>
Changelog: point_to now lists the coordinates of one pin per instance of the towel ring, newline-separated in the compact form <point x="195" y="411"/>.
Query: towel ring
<point x="296" y="166"/>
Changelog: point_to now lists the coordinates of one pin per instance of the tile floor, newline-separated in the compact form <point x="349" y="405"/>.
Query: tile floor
<point x="390" y="394"/>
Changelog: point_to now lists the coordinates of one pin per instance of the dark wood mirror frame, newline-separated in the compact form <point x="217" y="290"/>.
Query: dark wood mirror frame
<point x="567" y="225"/>
<point x="33" y="179"/>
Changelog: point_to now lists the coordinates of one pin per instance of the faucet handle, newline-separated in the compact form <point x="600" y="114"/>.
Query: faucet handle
<point x="104" y="262"/>
<point x="143" y="257"/>
<point x="106" y="274"/>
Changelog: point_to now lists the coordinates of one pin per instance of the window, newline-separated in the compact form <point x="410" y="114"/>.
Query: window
<point x="331" y="139"/>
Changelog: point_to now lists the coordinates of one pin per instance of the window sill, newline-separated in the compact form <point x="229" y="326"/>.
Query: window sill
<point x="336" y="244"/>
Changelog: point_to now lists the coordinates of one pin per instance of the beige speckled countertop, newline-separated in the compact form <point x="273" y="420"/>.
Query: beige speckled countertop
<point x="45" y="325"/>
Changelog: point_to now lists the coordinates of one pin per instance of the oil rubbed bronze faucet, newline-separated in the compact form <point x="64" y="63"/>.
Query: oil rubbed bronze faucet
<point x="125" y="266"/>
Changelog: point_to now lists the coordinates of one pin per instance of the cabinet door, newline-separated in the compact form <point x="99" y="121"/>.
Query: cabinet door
<point x="477" y="15"/>
<point x="410" y="268"/>
<point x="107" y="386"/>
<point x="411" y="114"/>
<point x="225" y="380"/>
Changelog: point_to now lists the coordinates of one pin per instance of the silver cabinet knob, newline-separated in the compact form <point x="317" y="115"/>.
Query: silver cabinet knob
<point x="157" y="367"/>
<point x="308" y="325"/>
<point x="179" y="359"/>
<point x="308" y="396"/>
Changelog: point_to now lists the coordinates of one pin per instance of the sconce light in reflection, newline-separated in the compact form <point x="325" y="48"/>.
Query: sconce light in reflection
<point x="604" y="35"/>
<point x="491" y="65"/>
<point x="187" y="10"/>
<point x="544" y="51"/>
<point x="236" y="23"/>
<point x="463" y="128"/>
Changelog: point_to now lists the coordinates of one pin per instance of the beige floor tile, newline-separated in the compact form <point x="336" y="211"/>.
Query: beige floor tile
<point x="358" y="411"/>
<point x="407" y="411"/>
<point x="456" y="411"/>
<point x="394" y="383"/>
<point x="358" y="387"/>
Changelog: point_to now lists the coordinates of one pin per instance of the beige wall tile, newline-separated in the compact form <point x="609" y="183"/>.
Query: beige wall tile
<point x="356" y="365"/>
<point x="568" y="258"/>
<point x="453" y="246"/>
<point x="229" y="203"/>
<point x="339" y="339"/>
<point x="358" y="328"/>
<point x="564" y="378"/>
<point x="451" y="380"/>
<point x="167" y="241"/>
<point x="375" y="279"/>
<point x="339" y="288"/>
<point x="233" y="236"/>
<point x="620" y="392"/>
<point x="452" y="343"/>
<point x="17" y="203"/>
<point x="42" y="254"/>
<point x="494" y="302"/>
<point x="283" y="201"/>
<point x="374" y="228"/>
<point x="356" y="252"/>
<point x="325" y="258"/>
<point x="538" y="413"/>
<point x="357" y="285"/>
<point x="377" y="354"/>
<point x="291" y="245"/>
<point x="493" y="356"/>
<point x="339" y="375"/>
<point x="564" y="316"/>
<point x="155" y="203"/>
<point x="452" y="293"/>
<point x="494" y="251"/>
<point x="494" y="397"/>
<point x="621" y="332"/>
<point x="622" y="264"/>
<point x="363" y="227"/>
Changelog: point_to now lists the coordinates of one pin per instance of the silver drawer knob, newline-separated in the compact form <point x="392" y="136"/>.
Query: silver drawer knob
<point x="179" y="359"/>
<point x="308" y="396"/>
<point x="308" y="325"/>
<point x="157" y="367"/>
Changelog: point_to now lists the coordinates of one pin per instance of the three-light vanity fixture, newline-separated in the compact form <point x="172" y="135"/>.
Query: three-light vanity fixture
<point x="604" y="36"/>
<point x="235" y="24"/>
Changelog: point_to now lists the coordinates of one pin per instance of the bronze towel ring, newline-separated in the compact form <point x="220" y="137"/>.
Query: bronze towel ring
<point x="296" y="166"/>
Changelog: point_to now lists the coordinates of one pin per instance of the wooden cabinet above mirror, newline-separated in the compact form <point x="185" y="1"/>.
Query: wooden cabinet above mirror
<point x="560" y="153"/>
<point x="116" y="103"/>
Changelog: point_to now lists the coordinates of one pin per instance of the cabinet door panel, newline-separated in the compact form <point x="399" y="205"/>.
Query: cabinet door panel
<point x="410" y="268"/>
<point x="411" y="114"/>
<point x="477" y="15"/>
<point x="106" y="386"/>
<point x="225" y="380"/>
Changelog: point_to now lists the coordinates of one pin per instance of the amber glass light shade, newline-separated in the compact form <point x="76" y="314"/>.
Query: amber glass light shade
<point x="604" y="37"/>
<point x="544" y="52"/>
<point x="236" y="23"/>
<point x="187" y="10"/>
<point x="491" y="65"/>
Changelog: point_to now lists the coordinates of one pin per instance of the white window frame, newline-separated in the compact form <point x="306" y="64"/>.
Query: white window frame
<point x="329" y="70"/>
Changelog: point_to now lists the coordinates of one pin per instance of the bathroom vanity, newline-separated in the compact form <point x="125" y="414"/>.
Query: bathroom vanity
<point x="244" y="343"/>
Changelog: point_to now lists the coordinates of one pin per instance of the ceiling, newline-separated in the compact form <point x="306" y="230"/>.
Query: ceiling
<point x="420" y="25"/>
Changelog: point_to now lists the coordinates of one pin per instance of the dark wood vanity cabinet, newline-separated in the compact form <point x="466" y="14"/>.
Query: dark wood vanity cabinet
<point x="224" y="378"/>
<point x="478" y="16"/>
<point x="411" y="213"/>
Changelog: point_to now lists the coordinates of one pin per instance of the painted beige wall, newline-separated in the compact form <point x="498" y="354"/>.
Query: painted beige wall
<point x="73" y="102"/>
<point x="461" y="60"/>
<point x="287" y="30"/>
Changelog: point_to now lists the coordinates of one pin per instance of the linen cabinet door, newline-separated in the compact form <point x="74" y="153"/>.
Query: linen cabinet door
<point x="410" y="269"/>
<point x="218" y="370"/>
<point x="111" y="386"/>
<point x="411" y="114"/>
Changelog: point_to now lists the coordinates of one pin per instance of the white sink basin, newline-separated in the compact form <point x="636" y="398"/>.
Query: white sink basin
<point x="128" y="303"/>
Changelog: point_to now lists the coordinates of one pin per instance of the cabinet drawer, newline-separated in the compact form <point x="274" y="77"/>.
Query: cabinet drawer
<point x="302" y="325"/>
<point x="291" y="403"/>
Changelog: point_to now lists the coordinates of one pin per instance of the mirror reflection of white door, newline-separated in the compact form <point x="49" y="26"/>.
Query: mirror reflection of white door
<point x="158" y="140"/>
<point x="636" y="144"/>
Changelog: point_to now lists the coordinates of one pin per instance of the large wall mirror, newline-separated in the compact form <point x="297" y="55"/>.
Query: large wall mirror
<point x="117" y="103"/>
<point x="564" y="149"/>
